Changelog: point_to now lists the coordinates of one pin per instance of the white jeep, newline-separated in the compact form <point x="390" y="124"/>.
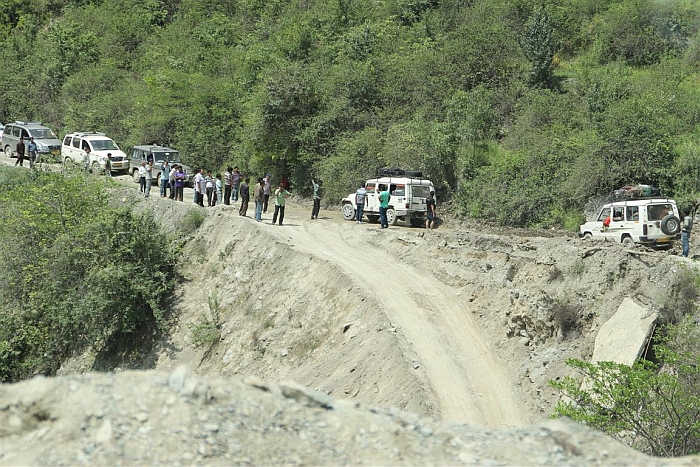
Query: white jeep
<point x="407" y="201"/>
<point x="649" y="221"/>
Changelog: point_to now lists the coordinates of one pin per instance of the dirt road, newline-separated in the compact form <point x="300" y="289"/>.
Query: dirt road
<point x="471" y="385"/>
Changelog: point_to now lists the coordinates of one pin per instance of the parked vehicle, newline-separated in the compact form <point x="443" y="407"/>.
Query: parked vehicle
<point x="47" y="143"/>
<point x="649" y="221"/>
<point x="408" y="192"/>
<point x="158" y="154"/>
<point x="104" y="152"/>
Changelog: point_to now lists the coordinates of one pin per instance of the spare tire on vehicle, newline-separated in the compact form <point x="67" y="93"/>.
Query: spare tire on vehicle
<point x="670" y="225"/>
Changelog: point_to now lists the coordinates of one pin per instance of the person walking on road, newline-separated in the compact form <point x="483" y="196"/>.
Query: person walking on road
<point x="19" y="149"/>
<point x="383" y="206"/>
<point x="258" y="196"/>
<point x="317" y="184"/>
<point x="686" y="228"/>
<point x="430" y="205"/>
<point x="32" y="152"/>
<point x="142" y="177"/>
<point x="280" y="195"/>
<point x="266" y="191"/>
<point x="245" y="197"/>
<point x="360" y="197"/>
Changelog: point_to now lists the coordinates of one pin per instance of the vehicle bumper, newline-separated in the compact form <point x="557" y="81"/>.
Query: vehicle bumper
<point x="659" y="241"/>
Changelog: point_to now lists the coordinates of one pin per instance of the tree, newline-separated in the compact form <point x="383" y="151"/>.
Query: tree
<point x="652" y="406"/>
<point x="539" y="46"/>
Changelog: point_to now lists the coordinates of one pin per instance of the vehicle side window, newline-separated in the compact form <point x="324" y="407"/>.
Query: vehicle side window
<point x="398" y="190"/>
<point x="603" y="214"/>
<point x="66" y="141"/>
<point x="618" y="214"/>
<point x="76" y="142"/>
<point x="632" y="213"/>
<point x="369" y="187"/>
<point x="16" y="131"/>
<point x="25" y="133"/>
<point x="382" y="187"/>
<point x="85" y="145"/>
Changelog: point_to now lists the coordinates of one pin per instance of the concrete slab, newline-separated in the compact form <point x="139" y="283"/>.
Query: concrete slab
<point x="624" y="336"/>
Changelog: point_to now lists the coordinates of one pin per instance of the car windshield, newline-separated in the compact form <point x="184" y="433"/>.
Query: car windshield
<point x="103" y="145"/>
<point x="43" y="133"/>
<point x="171" y="156"/>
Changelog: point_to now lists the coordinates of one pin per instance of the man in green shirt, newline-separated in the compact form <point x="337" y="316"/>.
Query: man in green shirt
<point x="383" y="205"/>
<point x="280" y="195"/>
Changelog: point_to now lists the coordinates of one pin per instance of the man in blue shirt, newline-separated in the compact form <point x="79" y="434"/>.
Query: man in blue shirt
<point x="32" y="151"/>
<point x="383" y="205"/>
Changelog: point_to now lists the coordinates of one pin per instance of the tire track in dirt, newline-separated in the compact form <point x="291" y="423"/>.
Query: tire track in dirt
<point x="471" y="386"/>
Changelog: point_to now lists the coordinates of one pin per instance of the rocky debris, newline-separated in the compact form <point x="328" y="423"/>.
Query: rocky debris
<point x="156" y="418"/>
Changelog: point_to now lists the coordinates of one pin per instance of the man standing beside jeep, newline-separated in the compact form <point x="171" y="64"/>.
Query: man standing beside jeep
<point x="383" y="206"/>
<point x="686" y="228"/>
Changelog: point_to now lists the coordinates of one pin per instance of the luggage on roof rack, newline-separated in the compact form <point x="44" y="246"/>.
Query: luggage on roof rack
<point x="635" y="192"/>
<point x="398" y="172"/>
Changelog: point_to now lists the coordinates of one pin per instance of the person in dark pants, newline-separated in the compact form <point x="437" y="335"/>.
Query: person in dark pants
<point x="266" y="191"/>
<point x="317" y="184"/>
<point x="686" y="228"/>
<point x="280" y="195"/>
<point x="430" y="213"/>
<point x="228" y="183"/>
<point x="245" y="197"/>
<point x="383" y="206"/>
<point x="19" y="149"/>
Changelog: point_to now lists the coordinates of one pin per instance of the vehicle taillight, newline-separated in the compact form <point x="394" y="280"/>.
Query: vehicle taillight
<point x="407" y="206"/>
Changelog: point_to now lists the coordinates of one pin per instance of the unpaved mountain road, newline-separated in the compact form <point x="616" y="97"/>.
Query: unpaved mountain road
<point x="470" y="383"/>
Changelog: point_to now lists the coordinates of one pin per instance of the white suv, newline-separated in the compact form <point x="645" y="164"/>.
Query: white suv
<point x="104" y="152"/>
<point x="650" y="221"/>
<point x="407" y="201"/>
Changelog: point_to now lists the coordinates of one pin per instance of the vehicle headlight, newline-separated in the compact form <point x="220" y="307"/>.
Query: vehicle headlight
<point x="41" y="147"/>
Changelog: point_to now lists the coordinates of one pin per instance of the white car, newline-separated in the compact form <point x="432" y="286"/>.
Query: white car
<point x="649" y="221"/>
<point x="104" y="152"/>
<point x="407" y="201"/>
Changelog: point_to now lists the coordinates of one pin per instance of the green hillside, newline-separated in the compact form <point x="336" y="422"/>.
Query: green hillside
<point x="520" y="111"/>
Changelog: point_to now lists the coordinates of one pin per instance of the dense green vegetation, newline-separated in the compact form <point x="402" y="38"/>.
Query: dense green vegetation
<point x="76" y="272"/>
<point x="652" y="406"/>
<point x="519" y="110"/>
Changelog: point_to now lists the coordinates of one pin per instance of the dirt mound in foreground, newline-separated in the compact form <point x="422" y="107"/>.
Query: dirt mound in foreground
<point x="154" y="418"/>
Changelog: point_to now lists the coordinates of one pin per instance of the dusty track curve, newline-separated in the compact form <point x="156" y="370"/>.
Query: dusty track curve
<point x="470" y="384"/>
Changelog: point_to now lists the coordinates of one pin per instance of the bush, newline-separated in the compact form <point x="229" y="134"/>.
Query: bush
<point x="653" y="407"/>
<point x="76" y="272"/>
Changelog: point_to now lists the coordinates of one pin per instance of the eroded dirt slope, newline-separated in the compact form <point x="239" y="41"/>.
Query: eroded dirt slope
<point x="463" y="323"/>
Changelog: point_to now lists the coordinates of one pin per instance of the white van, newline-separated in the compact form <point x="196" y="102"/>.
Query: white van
<point x="104" y="152"/>
<point x="649" y="221"/>
<point x="407" y="201"/>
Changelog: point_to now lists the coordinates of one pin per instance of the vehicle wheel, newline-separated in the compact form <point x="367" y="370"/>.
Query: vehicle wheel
<point x="373" y="219"/>
<point x="670" y="225"/>
<point x="627" y="241"/>
<point x="348" y="211"/>
<point x="95" y="168"/>
<point x="588" y="236"/>
<point x="8" y="150"/>
<point x="67" y="161"/>
<point x="390" y="216"/>
<point x="417" y="222"/>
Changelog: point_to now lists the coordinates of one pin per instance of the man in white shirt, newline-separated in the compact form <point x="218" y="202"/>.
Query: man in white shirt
<point x="142" y="177"/>
<point x="199" y="187"/>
